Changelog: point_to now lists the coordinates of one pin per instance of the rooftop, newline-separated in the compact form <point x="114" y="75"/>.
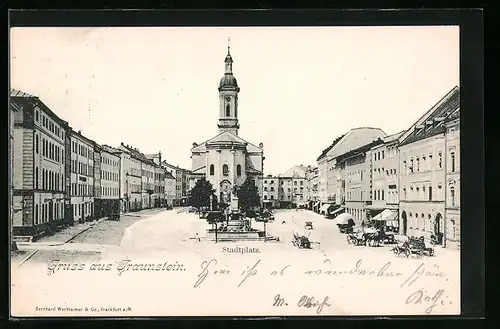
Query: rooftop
<point x="434" y="118"/>
<point x="325" y="151"/>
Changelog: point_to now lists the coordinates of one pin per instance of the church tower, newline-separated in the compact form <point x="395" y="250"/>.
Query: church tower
<point x="228" y="98"/>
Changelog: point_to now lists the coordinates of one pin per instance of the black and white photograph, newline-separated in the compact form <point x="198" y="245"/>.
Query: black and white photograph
<point x="235" y="171"/>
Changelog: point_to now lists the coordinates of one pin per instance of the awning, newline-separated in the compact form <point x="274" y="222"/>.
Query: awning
<point x="343" y="219"/>
<point x="336" y="211"/>
<point x="386" y="215"/>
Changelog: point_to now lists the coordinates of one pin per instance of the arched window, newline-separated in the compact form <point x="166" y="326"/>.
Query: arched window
<point x="228" y="110"/>
<point x="452" y="196"/>
<point x="36" y="144"/>
<point x="225" y="170"/>
<point x="36" y="178"/>
<point x="212" y="170"/>
<point x="238" y="170"/>
<point x="43" y="179"/>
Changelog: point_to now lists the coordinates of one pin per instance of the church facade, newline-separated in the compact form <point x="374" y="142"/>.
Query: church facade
<point x="226" y="160"/>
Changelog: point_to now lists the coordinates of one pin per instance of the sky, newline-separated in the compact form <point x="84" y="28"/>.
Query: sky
<point x="155" y="88"/>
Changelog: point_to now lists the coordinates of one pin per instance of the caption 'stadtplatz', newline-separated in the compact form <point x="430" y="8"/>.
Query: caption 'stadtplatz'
<point x="408" y="180"/>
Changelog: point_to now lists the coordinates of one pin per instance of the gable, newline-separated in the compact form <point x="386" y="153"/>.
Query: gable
<point x="226" y="137"/>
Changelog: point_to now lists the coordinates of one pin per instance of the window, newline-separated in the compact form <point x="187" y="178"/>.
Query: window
<point x="225" y="170"/>
<point x="452" y="196"/>
<point x="238" y="170"/>
<point x="36" y="143"/>
<point x="36" y="178"/>
<point x="382" y="154"/>
<point x="265" y="197"/>
<point x="272" y="188"/>
<point x="382" y="194"/>
<point x="430" y="193"/>
<point x="453" y="161"/>
<point x="228" y="110"/>
<point x="36" y="115"/>
<point x="440" y="163"/>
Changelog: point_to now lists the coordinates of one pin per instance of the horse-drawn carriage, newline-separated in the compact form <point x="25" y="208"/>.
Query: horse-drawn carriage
<point x="369" y="237"/>
<point x="414" y="246"/>
<point x="301" y="241"/>
<point x="345" y="223"/>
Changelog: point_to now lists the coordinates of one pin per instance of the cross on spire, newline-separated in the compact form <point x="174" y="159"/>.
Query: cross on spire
<point x="228" y="44"/>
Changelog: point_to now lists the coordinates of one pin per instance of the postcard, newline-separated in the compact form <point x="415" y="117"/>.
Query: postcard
<point x="256" y="171"/>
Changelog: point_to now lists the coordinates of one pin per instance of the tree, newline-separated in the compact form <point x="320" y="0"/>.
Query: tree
<point x="200" y="193"/>
<point x="248" y="196"/>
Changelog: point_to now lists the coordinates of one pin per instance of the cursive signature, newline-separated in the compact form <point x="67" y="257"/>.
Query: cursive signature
<point x="308" y="302"/>
<point x="422" y="296"/>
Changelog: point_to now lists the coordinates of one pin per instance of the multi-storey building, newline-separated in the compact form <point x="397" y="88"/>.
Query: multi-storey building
<point x="183" y="183"/>
<point x="159" y="187"/>
<point x="270" y="192"/>
<point x="110" y="174"/>
<point x="82" y="177"/>
<point x="330" y="178"/>
<point x="298" y="175"/>
<point x="99" y="209"/>
<point x="312" y="195"/>
<point x="169" y="189"/>
<point x="452" y="210"/>
<point x="130" y="180"/>
<point x="159" y="197"/>
<point x="286" y="192"/>
<point x="357" y="167"/>
<point x="12" y="154"/>
<point x="422" y="171"/>
<point x="385" y="168"/>
<point x="38" y="166"/>
<point x="146" y="172"/>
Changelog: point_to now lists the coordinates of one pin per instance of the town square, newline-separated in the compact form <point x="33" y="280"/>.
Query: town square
<point x="230" y="183"/>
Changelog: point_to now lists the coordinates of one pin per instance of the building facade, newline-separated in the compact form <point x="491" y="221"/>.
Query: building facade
<point x="98" y="202"/>
<point x="131" y="181"/>
<point x="159" y="187"/>
<point x="170" y="184"/>
<point x="452" y="210"/>
<point x="330" y="176"/>
<point x="357" y="168"/>
<point x="110" y="173"/>
<point x="38" y="166"/>
<point x="423" y="172"/>
<point x="227" y="160"/>
<point x="270" y="192"/>
<point x="13" y="108"/>
<point x="312" y="192"/>
<point x="82" y="177"/>
<point x="385" y="168"/>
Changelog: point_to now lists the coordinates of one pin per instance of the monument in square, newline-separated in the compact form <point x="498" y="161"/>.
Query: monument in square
<point x="227" y="160"/>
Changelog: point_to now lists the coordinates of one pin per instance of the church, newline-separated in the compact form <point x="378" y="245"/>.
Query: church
<point x="226" y="159"/>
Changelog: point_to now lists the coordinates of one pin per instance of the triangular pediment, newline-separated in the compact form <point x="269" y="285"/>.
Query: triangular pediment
<point x="226" y="137"/>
